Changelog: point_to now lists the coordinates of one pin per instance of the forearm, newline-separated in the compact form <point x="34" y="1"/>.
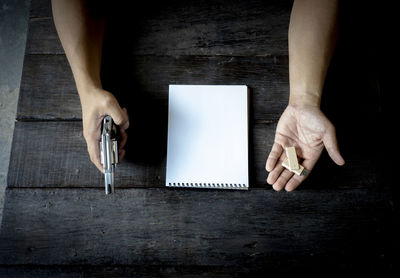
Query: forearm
<point x="81" y="32"/>
<point x="312" y="39"/>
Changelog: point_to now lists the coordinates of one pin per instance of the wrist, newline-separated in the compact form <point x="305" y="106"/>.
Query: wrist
<point x="88" y="94"/>
<point x="88" y="88"/>
<point x="305" y="98"/>
<point x="87" y="83"/>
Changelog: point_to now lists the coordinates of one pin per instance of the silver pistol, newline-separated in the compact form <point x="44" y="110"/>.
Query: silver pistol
<point x="109" y="152"/>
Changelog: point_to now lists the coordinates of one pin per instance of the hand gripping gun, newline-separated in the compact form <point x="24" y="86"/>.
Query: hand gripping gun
<point x="109" y="152"/>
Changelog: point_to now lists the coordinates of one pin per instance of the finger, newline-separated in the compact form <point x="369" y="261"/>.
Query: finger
<point x="94" y="153"/>
<point x="121" y="154"/>
<point x="282" y="180"/>
<point x="126" y="126"/>
<point x="276" y="172"/>
<point x="123" y="139"/>
<point x="273" y="157"/>
<point x="92" y="137"/>
<point x="296" y="180"/>
<point x="332" y="147"/>
<point x="120" y="116"/>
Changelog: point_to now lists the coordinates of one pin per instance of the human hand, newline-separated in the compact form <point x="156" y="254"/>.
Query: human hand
<point x="308" y="130"/>
<point x="96" y="104"/>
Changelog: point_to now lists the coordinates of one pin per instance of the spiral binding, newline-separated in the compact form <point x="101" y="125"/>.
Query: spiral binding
<point x="208" y="185"/>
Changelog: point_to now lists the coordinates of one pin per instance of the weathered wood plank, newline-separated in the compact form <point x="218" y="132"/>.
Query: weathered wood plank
<point x="234" y="28"/>
<point x="354" y="77"/>
<point x="40" y="8"/>
<point x="310" y="267"/>
<point x="42" y="37"/>
<point x="48" y="90"/>
<point x="87" y="271"/>
<point x="190" y="227"/>
<point x="45" y="230"/>
<point x="54" y="154"/>
<point x="113" y="271"/>
<point x="352" y="85"/>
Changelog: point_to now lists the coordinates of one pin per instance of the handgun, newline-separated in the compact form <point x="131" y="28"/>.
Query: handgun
<point x="109" y="152"/>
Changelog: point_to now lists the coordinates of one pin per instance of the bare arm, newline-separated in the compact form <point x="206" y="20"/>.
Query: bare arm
<point x="312" y="39"/>
<point x="81" y="33"/>
<point x="80" y="26"/>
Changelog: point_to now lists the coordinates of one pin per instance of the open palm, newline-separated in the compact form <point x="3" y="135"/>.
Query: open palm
<point x="308" y="130"/>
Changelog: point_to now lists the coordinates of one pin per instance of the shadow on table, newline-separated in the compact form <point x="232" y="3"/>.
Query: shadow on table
<point x="352" y="98"/>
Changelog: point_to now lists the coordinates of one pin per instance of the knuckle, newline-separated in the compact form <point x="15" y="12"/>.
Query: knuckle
<point x="126" y="117"/>
<point x="108" y="100"/>
<point x="331" y="128"/>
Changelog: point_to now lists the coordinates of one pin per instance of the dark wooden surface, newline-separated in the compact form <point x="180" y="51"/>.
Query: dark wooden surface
<point x="58" y="222"/>
<point x="234" y="28"/>
<point x="62" y="160"/>
<point x="142" y="78"/>
<point x="179" y="227"/>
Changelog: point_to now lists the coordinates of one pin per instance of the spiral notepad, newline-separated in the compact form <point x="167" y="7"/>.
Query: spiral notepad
<point x="208" y="137"/>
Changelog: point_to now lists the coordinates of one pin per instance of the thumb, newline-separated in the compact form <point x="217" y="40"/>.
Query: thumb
<point x="120" y="116"/>
<point x="331" y="146"/>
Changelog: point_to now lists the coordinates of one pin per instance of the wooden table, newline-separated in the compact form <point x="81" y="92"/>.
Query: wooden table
<point x="57" y="219"/>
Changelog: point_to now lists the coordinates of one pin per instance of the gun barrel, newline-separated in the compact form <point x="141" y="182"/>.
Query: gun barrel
<point x="109" y="182"/>
<point x="109" y="153"/>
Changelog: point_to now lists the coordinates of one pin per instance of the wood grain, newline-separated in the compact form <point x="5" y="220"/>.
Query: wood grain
<point x="190" y="227"/>
<point x="233" y="28"/>
<point x="57" y="221"/>
<point x="309" y="267"/>
<point x="48" y="90"/>
<point x="40" y="9"/>
<point x="54" y="154"/>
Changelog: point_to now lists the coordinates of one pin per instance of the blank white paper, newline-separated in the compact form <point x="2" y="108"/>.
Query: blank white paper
<point x="208" y="136"/>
